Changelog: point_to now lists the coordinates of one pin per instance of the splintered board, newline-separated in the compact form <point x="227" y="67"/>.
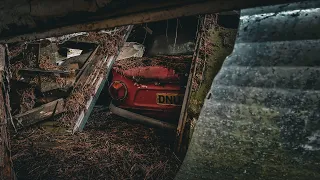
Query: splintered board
<point x="39" y="114"/>
<point x="96" y="81"/>
<point x="48" y="85"/>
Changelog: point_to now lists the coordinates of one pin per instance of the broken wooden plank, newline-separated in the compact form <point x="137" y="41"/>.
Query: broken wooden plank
<point x="37" y="71"/>
<point x="185" y="105"/>
<point x="6" y="170"/>
<point x="32" y="55"/>
<point x="39" y="114"/>
<point x="81" y="60"/>
<point x="73" y="66"/>
<point x="48" y="85"/>
<point x="98" y="83"/>
<point x="91" y="57"/>
<point x="88" y="71"/>
<point x="2" y="61"/>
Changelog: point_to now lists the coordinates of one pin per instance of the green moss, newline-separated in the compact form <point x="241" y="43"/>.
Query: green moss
<point x="252" y="147"/>
<point x="222" y="40"/>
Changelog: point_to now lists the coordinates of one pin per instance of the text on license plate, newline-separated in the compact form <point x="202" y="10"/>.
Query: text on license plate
<point x="170" y="99"/>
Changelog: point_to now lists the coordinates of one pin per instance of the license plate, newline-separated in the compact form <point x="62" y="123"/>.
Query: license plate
<point x="170" y="99"/>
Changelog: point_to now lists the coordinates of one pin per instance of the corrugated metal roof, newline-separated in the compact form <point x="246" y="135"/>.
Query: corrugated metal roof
<point x="262" y="118"/>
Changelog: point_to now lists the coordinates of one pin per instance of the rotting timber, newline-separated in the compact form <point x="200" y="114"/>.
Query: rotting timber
<point x="6" y="172"/>
<point x="61" y="78"/>
<point x="217" y="41"/>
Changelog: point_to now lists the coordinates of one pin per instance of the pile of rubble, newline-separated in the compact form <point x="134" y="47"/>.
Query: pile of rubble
<point x="61" y="77"/>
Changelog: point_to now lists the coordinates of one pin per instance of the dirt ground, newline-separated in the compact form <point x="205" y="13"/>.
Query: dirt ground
<point x="108" y="148"/>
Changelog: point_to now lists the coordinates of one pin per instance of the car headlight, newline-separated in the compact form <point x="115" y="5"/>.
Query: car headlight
<point x="118" y="90"/>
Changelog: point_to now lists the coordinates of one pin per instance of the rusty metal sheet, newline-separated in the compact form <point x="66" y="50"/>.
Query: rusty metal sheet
<point x="261" y="117"/>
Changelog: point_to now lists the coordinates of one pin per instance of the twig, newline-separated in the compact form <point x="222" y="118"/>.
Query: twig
<point x="175" y="39"/>
<point x="145" y="35"/>
<point x="167" y="31"/>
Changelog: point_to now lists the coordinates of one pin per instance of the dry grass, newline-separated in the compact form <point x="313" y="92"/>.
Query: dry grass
<point x="107" y="149"/>
<point x="179" y="64"/>
<point x="27" y="99"/>
<point x="47" y="64"/>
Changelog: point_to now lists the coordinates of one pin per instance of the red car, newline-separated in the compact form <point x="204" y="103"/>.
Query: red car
<point x="150" y="89"/>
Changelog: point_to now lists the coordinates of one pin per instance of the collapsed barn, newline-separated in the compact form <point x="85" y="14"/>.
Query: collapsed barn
<point x="260" y="118"/>
<point x="60" y="80"/>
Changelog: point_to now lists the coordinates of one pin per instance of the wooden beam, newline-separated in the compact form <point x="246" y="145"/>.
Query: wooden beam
<point x="185" y="104"/>
<point x="2" y="61"/>
<point x="6" y="170"/>
<point x="99" y="85"/>
<point x="88" y="61"/>
<point x="46" y="86"/>
<point x="39" y="114"/>
<point x="36" y="71"/>
<point x="135" y="15"/>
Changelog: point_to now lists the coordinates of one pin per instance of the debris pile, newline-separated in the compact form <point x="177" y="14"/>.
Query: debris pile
<point x="108" y="149"/>
<point x="46" y="71"/>
<point x="87" y="84"/>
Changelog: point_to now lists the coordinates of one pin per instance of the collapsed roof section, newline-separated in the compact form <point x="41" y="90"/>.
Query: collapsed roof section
<point x="24" y="20"/>
<point x="67" y="78"/>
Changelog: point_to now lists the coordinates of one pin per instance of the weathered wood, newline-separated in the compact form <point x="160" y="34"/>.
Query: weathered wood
<point x="88" y="61"/>
<point x="73" y="66"/>
<point x="2" y="61"/>
<point x="32" y="55"/>
<point x="98" y="82"/>
<point x="6" y="170"/>
<point x="183" y="113"/>
<point x="52" y="85"/>
<point x="80" y="60"/>
<point x="45" y="16"/>
<point x="36" y="71"/>
<point x="45" y="100"/>
<point x="39" y="114"/>
<point x="90" y="68"/>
